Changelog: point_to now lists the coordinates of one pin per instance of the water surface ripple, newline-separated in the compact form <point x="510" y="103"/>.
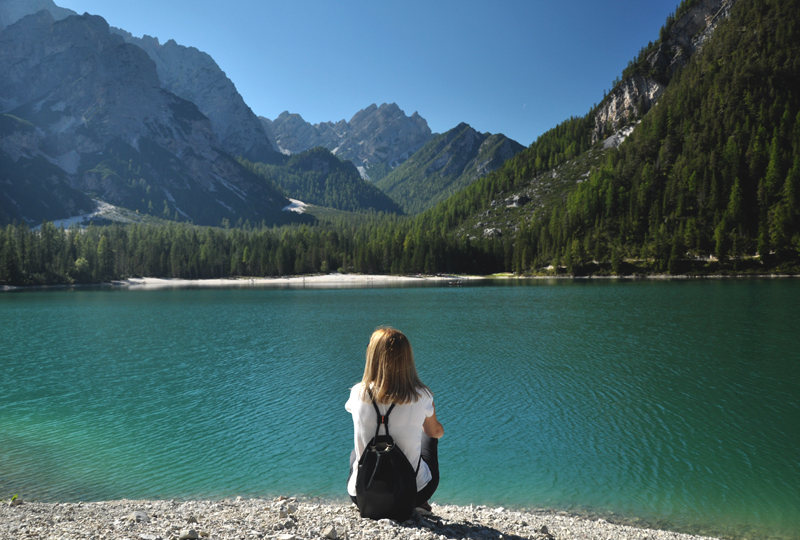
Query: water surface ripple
<point x="672" y="404"/>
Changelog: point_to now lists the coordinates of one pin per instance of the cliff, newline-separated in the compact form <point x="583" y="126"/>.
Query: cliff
<point x="638" y="92"/>
<point x="193" y="75"/>
<point x="83" y="100"/>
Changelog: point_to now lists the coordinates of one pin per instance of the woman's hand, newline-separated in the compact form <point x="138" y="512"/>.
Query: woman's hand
<point x="432" y="427"/>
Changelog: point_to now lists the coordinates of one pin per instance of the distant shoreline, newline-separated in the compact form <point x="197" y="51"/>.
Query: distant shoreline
<point x="320" y="281"/>
<point x="332" y="281"/>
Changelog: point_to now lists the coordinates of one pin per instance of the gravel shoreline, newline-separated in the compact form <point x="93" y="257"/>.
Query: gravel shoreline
<point x="290" y="519"/>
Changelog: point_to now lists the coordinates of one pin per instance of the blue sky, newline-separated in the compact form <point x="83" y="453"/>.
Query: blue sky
<point x="512" y="67"/>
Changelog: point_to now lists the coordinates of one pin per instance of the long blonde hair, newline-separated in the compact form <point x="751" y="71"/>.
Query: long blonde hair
<point x="390" y="372"/>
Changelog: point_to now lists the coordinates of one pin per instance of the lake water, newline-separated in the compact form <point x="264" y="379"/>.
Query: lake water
<point x="674" y="404"/>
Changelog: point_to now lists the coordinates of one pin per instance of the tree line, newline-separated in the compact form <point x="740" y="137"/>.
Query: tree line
<point x="381" y="245"/>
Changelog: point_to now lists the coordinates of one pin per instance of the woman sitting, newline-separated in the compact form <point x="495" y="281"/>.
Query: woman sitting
<point x="391" y="380"/>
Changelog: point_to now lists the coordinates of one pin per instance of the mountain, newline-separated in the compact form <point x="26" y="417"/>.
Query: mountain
<point x="91" y="104"/>
<point x="705" y="181"/>
<point x="32" y="188"/>
<point x="13" y="10"/>
<point x="446" y="164"/>
<point x="187" y="73"/>
<point x="318" y="177"/>
<point x="196" y="77"/>
<point x="708" y="180"/>
<point x="375" y="139"/>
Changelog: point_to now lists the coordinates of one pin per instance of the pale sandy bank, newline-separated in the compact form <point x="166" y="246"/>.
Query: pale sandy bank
<point x="319" y="281"/>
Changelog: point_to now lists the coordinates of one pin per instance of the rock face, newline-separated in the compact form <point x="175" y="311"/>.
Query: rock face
<point x="13" y="10"/>
<point x="636" y="94"/>
<point x="373" y="135"/>
<point x="446" y="164"/>
<point x="31" y="187"/>
<point x="93" y="105"/>
<point x="187" y="73"/>
<point x="196" y="77"/>
<point x="630" y="98"/>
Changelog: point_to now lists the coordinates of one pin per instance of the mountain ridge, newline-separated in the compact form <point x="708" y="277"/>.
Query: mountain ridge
<point x="375" y="135"/>
<point x="188" y="73"/>
<point x="101" y="115"/>
<point x="195" y="76"/>
<point x="446" y="164"/>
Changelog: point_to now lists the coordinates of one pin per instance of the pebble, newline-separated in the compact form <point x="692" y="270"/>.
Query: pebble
<point x="139" y="517"/>
<point x="292" y="519"/>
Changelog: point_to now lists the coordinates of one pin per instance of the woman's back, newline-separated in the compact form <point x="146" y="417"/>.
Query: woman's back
<point x="405" y="427"/>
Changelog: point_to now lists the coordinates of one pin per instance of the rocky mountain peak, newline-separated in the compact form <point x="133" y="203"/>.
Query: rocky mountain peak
<point x="184" y="71"/>
<point x="375" y="134"/>
<point x="82" y="100"/>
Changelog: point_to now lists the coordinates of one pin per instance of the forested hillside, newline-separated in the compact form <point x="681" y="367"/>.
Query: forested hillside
<point x="445" y="165"/>
<point x="318" y="177"/>
<point x="707" y="182"/>
<point x="713" y="169"/>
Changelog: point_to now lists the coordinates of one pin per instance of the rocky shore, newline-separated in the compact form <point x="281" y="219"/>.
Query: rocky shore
<point x="290" y="519"/>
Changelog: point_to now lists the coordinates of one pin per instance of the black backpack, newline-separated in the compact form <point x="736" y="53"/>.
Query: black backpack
<point x="386" y="485"/>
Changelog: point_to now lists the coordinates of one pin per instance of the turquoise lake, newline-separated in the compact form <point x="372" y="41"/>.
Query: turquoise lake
<point x="673" y="404"/>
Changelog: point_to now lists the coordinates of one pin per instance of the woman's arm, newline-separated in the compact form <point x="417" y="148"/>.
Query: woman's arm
<point x="432" y="427"/>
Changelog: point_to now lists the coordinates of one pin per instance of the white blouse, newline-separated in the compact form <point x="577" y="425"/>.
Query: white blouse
<point x="405" y="427"/>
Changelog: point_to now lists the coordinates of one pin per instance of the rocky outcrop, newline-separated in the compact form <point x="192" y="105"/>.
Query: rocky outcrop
<point x="636" y="94"/>
<point x="97" y="111"/>
<point x="193" y="75"/>
<point x="446" y="164"/>
<point x="373" y="135"/>
<point x="631" y="98"/>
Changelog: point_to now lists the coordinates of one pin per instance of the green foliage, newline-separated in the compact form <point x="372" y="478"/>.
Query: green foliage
<point x="376" y="171"/>
<point x="712" y="170"/>
<point x="318" y="177"/>
<point x="445" y="165"/>
<point x="382" y="244"/>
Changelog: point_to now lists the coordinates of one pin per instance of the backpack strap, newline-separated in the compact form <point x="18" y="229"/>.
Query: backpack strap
<point x="382" y="418"/>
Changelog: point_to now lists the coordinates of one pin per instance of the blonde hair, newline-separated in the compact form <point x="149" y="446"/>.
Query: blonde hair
<point x="390" y="373"/>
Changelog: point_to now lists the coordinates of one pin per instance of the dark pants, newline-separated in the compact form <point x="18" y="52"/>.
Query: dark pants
<point x="430" y="453"/>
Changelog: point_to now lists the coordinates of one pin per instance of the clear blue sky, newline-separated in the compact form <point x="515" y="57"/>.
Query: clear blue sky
<point x="514" y="67"/>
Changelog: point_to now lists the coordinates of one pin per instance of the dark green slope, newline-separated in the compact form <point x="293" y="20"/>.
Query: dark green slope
<point x="318" y="177"/>
<point x="712" y="170"/>
<point x="445" y="165"/>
